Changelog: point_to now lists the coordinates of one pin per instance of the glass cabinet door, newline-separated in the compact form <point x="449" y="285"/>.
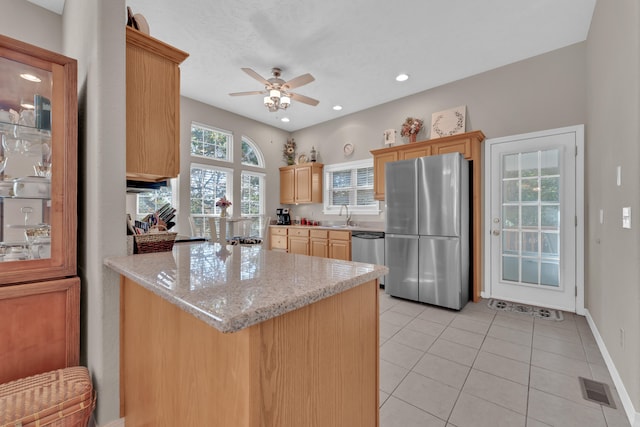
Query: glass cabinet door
<point x="38" y="131"/>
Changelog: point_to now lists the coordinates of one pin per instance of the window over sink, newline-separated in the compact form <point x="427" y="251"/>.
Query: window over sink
<point x="351" y="184"/>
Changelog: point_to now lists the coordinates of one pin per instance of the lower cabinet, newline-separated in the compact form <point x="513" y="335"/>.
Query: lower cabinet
<point x="319" y="242"/>
<point x="298" y="241"/>
<point x="340" y="245"/>
<point x="39" y="327"/>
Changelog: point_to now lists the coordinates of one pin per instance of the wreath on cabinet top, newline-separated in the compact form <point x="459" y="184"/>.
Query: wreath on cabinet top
<point x="448" y="122"/>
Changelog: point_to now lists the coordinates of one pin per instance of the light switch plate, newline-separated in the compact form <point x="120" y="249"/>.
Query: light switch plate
<point x="601" y="216"/>
<point x="619" y="176"/>
<point x="626" y="217"/>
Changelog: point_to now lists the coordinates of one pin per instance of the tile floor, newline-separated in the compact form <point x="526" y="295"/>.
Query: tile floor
<point x="480" y="367"/>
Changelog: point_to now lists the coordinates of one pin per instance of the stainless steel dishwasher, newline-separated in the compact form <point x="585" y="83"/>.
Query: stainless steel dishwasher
<point x="368" y="246"/>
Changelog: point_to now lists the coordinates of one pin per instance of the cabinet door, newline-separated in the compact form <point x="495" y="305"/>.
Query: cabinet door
<point x="379" y="160"/>
<point x="340" y="249"/>
<point x="303" y="184"/>
<point x="458" y="146"/>
<point x="413" y="153"/>
<point x="299" y="245"/>
<point x="319" y="247"/>
<point x="153" y="108"/>
<point x="287" y="186"/>
<point x="37" y="213"/>
<point x="40" y="327"/>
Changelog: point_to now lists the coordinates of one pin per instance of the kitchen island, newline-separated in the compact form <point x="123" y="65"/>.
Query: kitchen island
<point x="241" y="336"/>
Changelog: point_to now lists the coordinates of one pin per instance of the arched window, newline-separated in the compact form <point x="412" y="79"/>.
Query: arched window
<point x="251" y="154"/>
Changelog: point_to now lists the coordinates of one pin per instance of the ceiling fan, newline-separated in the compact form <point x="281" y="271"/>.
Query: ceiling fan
<point x="278" y="91"/>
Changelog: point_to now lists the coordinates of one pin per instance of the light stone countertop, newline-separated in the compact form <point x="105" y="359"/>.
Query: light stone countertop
<point x="363" y="227"/>
<point x="243" y="285"/>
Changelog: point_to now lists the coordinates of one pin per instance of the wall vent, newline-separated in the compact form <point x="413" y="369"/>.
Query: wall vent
<point x="597" y="392"/>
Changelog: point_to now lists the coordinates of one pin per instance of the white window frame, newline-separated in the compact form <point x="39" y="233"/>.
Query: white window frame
<point x="256" y="150"/>
<point x="262" y="191"/>
<point x="229" y="158"/>
<point x="229" y="194"/>
<point x="335" y="209"/>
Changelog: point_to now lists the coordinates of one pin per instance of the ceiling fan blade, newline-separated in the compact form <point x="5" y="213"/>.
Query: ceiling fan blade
<point x="256" y="76"/>
<point x="298" y="81"/>
<point x="253" y="92"/>
<point x="304" y="99"/>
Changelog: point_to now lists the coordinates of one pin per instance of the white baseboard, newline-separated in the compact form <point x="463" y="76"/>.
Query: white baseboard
<point x="632" y="415"/>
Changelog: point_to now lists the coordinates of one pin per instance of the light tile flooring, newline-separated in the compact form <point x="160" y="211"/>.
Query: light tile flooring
<point x="480" y="367"/>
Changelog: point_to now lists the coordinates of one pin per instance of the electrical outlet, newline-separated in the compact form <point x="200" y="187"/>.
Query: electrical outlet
<point x="626" y="217"/>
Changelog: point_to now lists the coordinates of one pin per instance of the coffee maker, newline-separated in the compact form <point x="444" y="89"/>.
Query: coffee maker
<point x="283" y="216"/>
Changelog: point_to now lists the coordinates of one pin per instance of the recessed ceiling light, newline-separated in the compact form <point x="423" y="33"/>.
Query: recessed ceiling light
<point x="337" y="107"/>
<point x="285" y="119"/>
<point x="402" y="77"/>
<point x="30" y="77"/>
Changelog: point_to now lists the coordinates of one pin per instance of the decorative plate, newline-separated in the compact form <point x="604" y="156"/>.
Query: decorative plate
<point x="302" y="158"/>
<point x="348" y="148"/>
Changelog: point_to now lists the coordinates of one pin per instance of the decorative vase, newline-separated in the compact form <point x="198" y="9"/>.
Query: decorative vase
<point x="412" y="137"/>
<point x="223" y="212"/>
<point x="290" y="161"/>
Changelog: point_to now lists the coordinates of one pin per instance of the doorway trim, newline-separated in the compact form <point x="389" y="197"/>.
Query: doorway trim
<point x="578" y="130"/>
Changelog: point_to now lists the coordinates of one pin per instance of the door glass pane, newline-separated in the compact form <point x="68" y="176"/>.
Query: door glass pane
<point x="530" y="190"/>
<point x="550" y="162"/>
<point x="531" y="218"/>
<point x="529" y="164"/>
<point x="26" y="162"/>
<point x="510" y="191"/>
<point x="549" y="189"/>
<point x="550" y="273"/>
<point x="530" y="270"/>
<point x="550" y="217"/>
<point x="510" y="269"/>
<point x="510" y="167"/>
<point x="550" y="244"/>
<point x="510" y="216"/>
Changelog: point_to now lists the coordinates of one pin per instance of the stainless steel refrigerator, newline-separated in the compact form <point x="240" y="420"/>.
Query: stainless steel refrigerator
<point x="427" y="229"/>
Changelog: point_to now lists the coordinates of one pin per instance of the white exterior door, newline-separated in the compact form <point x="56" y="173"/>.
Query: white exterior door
<point x="534" y="218"/>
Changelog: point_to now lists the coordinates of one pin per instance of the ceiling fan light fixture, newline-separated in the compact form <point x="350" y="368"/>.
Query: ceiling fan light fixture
<point x="285" y="101"/>
<point x="268" y="102"/>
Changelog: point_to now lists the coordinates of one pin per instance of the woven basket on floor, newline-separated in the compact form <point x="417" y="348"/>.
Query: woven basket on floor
<point x="153" y="242"/>
<point x="60" y="398"/>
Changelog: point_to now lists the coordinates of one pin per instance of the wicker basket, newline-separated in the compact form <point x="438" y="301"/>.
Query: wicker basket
<point x="61" y="398"/>
<point x="153" y="242"/>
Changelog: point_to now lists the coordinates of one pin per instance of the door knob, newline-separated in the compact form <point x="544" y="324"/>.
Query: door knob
<point x="496" y="232"/>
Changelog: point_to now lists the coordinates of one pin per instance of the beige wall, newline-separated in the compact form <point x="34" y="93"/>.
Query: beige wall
<point x="33" y="24"/>
<point x="544" y="92"/>
<point x="613" y="253"/>
<point x="94" y="35"/>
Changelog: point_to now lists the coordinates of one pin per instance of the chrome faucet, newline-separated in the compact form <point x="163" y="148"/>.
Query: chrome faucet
<point x="348" y="221"/>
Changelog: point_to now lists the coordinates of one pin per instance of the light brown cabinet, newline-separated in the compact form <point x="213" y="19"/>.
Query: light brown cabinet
<point x="319" y="243"/>
<point x="340" y="245"/>
<point x="153" y="108"/>
<point x="312" y="241"/>
<point x="469" y="144"/>
<point x="298" y="239"/>
<point x="301" y="183"/>
<point x="39" y="320"/>
<point x="278" y="239"/>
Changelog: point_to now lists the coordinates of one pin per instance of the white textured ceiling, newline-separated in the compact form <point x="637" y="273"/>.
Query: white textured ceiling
<point x="354" y="48"/>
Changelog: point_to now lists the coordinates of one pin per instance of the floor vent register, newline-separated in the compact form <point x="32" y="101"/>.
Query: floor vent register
<point x="539" y="312"/>
<point x="597" y="392"/>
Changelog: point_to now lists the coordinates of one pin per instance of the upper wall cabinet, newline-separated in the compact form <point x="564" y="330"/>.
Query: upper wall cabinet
<point x="38" y="163"/>
<point x="301" y="183"/>
<point x="153" y="108"/>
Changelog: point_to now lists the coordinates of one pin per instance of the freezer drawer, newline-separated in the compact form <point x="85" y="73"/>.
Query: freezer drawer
<point x="401" y="254"/>
<point x="442" y="281"/>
